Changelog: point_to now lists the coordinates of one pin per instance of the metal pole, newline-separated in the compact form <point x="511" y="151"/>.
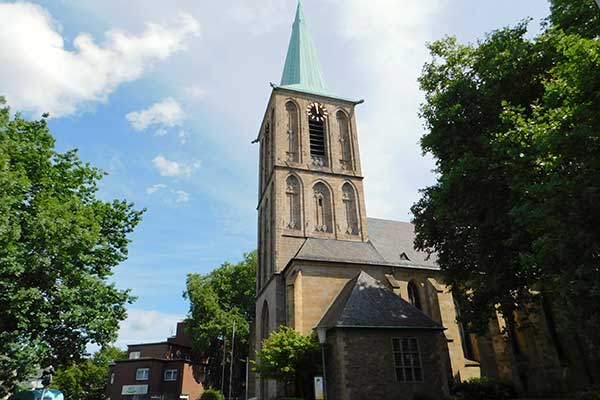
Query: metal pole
<point x="324" y="373"/>
<point x="231" y="364"/>
<point x="223" y="370"/>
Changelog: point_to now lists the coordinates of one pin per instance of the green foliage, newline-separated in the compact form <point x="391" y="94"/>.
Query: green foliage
<point x="484" y="388"/>
<point x="513" y="125"/>
<point x="218" y="300"/>
<point x="592" y="393"/>
<point x="86" y="380"/>
<point x="211" y="394"/>
<point x="58" y="246"/>
<point x="288" y="356"/>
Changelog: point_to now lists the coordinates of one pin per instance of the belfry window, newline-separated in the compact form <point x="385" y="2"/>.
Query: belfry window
<point x="293" y="153"/>
<point x="349" y="199"/>
<point x="323" y="214"/>
<point x="413" y="295"/>
<point x="317" y="115"/>
<point x="293" y="195"/>
<point x="345" y="141"/>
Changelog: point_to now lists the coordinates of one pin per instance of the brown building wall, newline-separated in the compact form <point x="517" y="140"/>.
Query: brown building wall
<point x="125" y="374"/>
<point x="362" y="365"/>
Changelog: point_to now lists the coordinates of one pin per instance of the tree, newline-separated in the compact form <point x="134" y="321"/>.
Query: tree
<point x="513" y="124"/>
<point x="290" y="357"/>
<point x="86" y="379"/>
<point x="219" y="300"/>
<point x="58" y="245"/>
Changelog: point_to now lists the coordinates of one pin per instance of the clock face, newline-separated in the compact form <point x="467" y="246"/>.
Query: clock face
<point x="316" y="112"/>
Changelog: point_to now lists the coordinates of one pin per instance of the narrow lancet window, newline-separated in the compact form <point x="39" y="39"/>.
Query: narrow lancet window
<point x="345" y="140"/>
<point x="413" y="295"/>
<point x="293" y="196"/>
<point x="323" y="214"/>
<point x="293" y="154"/>
<point x="317" y="115"/>
<point x="349" y="199"/>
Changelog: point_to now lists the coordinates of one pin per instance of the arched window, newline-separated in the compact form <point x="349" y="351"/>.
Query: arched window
<point x="292" y="191"/>
<point x="323" y="214"/>
<point x="413" y="295"/>
<point x="345" y="140"/>
<point x="293" y="153"/>
<point x="317" y="115"/>
<point x="349" y="199"/>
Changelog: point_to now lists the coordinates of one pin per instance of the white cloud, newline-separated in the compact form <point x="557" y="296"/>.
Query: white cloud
<point x="195" y="91"/>
<point x="168" y="167"/>
<point x="166" y="113"/>
<point x="146" y="326"/>
<point x="183" y="137"/>
<point x="155" y="188"/>
<point x="41" y="75"/>
<point x="181" y="196"/>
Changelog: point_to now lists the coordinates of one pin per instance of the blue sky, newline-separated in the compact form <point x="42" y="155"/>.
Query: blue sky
<point x="166" y="97"/>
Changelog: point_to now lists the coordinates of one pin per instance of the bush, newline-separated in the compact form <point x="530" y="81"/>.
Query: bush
<point x="592" y="393"/>
<point x="485" y="388"/>
<point x="211" y="394"/>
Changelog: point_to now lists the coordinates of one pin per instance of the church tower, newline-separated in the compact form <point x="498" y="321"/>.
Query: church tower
<point x="310" y="179"/>
<point x="310" y="172"/>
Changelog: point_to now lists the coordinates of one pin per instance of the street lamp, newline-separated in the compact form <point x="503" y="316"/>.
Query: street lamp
<point x="322" y="334"/>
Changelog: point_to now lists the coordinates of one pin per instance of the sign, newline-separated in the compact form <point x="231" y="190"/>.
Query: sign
<point x="135" y="389"/>
<point x="319" y="388"/>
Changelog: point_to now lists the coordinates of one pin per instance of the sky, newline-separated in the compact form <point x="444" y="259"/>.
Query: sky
<point x="166" y="97"/>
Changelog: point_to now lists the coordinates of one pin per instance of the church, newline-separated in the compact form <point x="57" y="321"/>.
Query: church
<point x="390" y="321"/>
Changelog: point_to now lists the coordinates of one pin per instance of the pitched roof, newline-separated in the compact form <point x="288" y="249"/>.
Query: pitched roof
<point x="390" y="243"/>
<point x="394" y="238"/>
<point x="367" y="303"/>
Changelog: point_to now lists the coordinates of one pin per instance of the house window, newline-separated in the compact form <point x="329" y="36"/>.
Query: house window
<point x="407" y="360"/>
<point x="142" y="374"/>
<point x="134" y="355"/>
<point x="170" y="374"/>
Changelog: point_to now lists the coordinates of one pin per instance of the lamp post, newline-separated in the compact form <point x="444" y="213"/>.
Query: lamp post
<point x="322" y="334"/>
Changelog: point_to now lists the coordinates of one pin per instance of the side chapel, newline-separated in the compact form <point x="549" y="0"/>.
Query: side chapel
<point x="391" y="322"/>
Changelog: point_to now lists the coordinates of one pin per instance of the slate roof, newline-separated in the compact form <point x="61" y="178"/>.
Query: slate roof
<point x="390" y="243"/>
<point x="367" y="303"/>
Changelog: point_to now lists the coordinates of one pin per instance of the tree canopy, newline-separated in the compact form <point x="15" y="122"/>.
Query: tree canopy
<point x="218" y="300"/>
<point x="58" y="245"/>
<point x="290" y="357"/>
<point x="86" y="379"/>
<point x="514" y="126"/>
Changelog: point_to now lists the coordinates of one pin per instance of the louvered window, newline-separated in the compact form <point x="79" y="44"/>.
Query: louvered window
<point x="317" y="138"/>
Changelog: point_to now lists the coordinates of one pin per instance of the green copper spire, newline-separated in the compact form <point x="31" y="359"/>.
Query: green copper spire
<point x="302" y="70"/>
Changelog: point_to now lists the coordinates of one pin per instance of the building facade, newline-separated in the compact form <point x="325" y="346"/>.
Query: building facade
<point x="316" y="244"/>
<point x="156" y="371"/>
